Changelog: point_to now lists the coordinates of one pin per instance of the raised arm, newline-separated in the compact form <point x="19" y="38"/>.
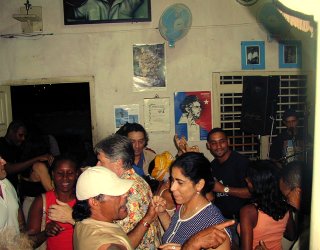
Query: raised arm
<point x="14" y="168"/>
<point x="41" y="170"/>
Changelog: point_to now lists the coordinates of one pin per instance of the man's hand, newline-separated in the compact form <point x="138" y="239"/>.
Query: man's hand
<point x="61" y="212"/>
<point x="46" y="157"/>
<point x="211" y="237"/>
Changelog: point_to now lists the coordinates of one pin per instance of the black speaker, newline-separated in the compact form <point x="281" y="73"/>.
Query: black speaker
<point x="259" y="103"/>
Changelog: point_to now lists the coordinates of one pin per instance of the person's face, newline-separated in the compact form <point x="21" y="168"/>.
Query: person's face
<point x="218" y="145"/>
<point x="138" y="141"/>
<point x="3" y="173"/>
<point x="291" y="122"/>
<point x="292" y="196"/>
<point x="104" y="161"/>
<point x="114" y="207"/>
<point x="195" y="110"/>
<point x="65" y="176"/>
<point x="182" y="188"/>
<point x="19" y="136"/>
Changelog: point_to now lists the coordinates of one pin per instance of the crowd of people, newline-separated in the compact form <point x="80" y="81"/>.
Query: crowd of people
<point x="134" y="198"/>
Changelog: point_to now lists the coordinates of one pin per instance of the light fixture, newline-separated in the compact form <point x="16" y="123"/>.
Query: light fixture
<point x="30" y="18"/>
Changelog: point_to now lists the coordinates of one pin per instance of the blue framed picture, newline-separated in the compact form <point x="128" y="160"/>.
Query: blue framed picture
<point x="290" y="54"/>
<point x="252" y="55"/>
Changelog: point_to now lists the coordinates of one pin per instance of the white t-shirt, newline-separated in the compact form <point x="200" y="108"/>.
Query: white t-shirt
<point x="9" y="206"/>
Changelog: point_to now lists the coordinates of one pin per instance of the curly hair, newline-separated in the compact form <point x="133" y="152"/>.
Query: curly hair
<point x="266" y="194"/>
<point x="195" y="166"/>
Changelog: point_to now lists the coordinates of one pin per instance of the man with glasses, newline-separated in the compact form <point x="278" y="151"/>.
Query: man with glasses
<point x="229" y="169"/>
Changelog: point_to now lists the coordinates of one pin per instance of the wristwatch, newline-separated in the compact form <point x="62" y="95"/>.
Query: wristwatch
<point x="226" y="190"/>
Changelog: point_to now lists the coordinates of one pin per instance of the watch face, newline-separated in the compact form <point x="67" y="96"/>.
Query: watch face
<point x="247" y="2"/>
<point x="226" y="190"/>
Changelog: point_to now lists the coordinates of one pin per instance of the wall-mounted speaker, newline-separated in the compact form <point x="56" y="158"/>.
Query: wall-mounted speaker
<point x="259" y="103"/>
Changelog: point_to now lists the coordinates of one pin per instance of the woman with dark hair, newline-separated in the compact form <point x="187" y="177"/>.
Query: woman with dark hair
<point x="266" y="218"/>
<point x="191" y="179"/>
<point x="57" y="235"/>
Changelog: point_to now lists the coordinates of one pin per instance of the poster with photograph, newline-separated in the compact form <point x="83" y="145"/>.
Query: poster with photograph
<point x="149" y="71"/>
<point x="157" y="114"/>
<point x="193" y="117"/>
<point x="125" y="113"/>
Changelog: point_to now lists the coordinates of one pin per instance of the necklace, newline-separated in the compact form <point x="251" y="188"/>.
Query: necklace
<point x="185" y="214"/>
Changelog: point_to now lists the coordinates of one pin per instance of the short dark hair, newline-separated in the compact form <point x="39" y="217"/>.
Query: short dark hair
<point x="133" y="127"/>
<point x="288" y="113"/>
<point x="215" y="130"/>
<point x="195" y="166"/>
<point x="61" y="158"/>
<point x="117" y="147"/>
<point x="15" y="125"/>
<point x="187" y="101"/>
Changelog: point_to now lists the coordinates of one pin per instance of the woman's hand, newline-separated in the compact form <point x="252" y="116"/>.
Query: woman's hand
<point x="53" y="229"/>
<point x="170" y="246"/>
<point x="159" y="203"/>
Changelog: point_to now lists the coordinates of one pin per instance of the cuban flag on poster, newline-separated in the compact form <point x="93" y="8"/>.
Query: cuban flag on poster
<point x="193" y="114"/>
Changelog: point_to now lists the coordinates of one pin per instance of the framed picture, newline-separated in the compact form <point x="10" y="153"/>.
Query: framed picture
<point x="106" y="11"/>
<point x="252" y="55"/>
<point x="290" y="54"/>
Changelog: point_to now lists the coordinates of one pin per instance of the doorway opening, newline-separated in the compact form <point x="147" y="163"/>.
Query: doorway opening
<point x="61" y="110"/>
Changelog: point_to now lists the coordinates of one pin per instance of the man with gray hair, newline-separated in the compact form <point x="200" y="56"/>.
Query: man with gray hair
<point x="116" y="153"/>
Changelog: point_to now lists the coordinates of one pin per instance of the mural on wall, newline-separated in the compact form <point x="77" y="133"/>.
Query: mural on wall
<point x="193" y="118"/>
<point x="149" y="69"/>
<point x="290" y="54"/>
<point x="252" y="55"/>
<point x="106" y="11"/>
<point x="125" y="113"/>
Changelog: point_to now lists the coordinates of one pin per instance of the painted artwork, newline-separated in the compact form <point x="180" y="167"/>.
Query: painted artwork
<point x="193" y="117"/>
<point x="106" y="11"/>
<point x="149" y="67"/>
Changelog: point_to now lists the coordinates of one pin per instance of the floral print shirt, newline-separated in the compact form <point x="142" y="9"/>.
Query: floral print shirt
<point x="139" y="197"/>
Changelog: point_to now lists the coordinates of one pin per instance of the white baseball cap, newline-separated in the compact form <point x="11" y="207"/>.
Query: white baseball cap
<point x="100" y="180"/>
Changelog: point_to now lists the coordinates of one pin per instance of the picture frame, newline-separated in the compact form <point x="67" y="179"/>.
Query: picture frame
<point x="290" y="54"/>
<point x="252" y="55"/>
<point x="105" y="11"/>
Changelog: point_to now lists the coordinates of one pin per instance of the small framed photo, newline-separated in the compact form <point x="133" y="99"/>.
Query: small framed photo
<point x="252" y="55"/>
<point x="290" y="54"/>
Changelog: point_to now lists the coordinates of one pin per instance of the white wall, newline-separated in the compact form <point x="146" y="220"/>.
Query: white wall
<point x="105" y="52"/>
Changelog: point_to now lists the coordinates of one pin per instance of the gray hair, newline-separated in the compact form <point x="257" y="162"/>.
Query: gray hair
<point x="117" y="147"/>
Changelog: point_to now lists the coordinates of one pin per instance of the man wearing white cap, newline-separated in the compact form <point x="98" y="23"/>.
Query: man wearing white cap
<point x="102" y="198"/>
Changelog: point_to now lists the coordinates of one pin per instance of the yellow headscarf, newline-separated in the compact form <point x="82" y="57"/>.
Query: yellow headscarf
<point x="162" y="163"/>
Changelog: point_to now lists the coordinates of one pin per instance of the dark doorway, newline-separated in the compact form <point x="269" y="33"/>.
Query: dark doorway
<point x="62" y="110"/>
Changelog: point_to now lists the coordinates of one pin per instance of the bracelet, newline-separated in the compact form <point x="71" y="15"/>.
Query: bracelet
<point x="145" y="224"/>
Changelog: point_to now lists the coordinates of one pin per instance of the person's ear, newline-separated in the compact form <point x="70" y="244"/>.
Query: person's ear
<point x="93" y="203"/>
<point x="200" y="185"/>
